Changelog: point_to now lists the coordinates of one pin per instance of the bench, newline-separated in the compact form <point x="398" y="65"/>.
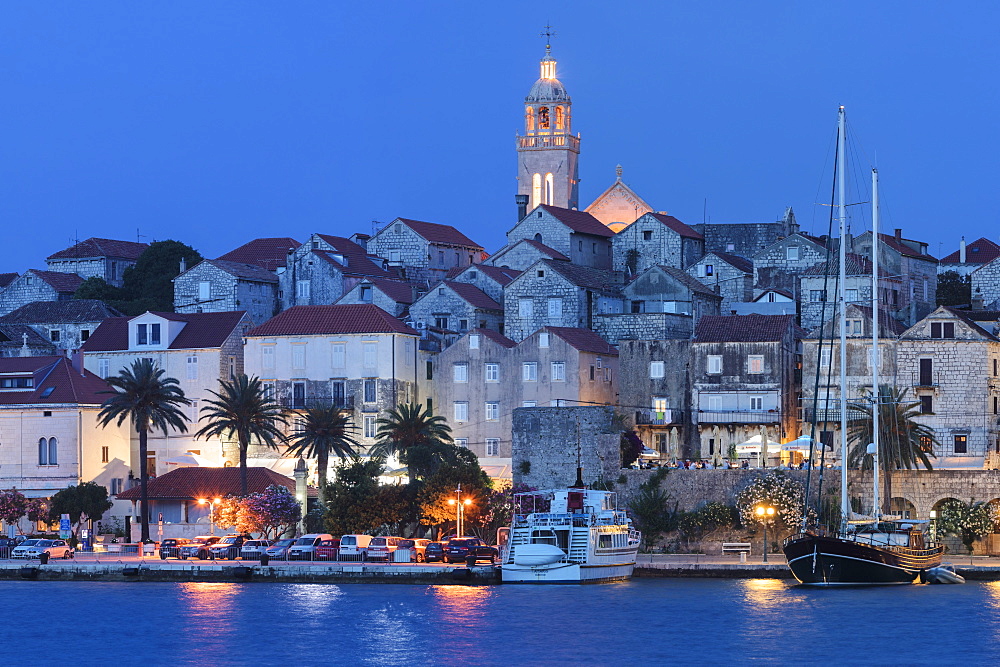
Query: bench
<point x="735" y="547"/>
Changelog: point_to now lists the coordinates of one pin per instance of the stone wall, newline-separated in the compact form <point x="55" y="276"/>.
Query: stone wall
<point x="745" y="239"/>
<point x="773" y="269"/>
<point x="444" y="302"/>
<point x="26" y="288"/>
<point x="226" y="293"/>
<point x="545" y="450"/>
<point x="730" y="283"/>
<point x="615" y="327"/>
<point x="663" y="247"/>
<point x="540" y="290"/>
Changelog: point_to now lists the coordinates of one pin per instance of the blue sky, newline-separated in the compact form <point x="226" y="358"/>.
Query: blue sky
<point x="216" y="122"/>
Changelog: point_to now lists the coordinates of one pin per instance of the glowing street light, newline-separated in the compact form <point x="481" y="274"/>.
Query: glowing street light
<point x="764" y="513"/>
<point x="460" y="506"/>
<point x="211" y="509"/>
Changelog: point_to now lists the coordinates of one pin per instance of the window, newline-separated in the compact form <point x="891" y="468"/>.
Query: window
<point x="117" y="486"/>
<point x="824" y="359"/>
<point x="525" y="307"/>
<point x="463" y="325"/>
<point x="536" y="191"/>
<point x="492" y="411"/>
<point x="558" y="371"/>
<point x="430" y="370"/>
<point x="54" y="335"/>
<point x="371" y="428"/>
<point x="714" y="403"/>
<point x="755" y="363"/>
<point x="461" y="411"/>
<point x="104" y="367"/>
<point x="550" y="189"/>
<point x="302" y="290"/>
<point x="338" y="354"/>
<point x="647" y="235"/>
<point x="961" y="444"/>
<point x="636" y="306"/>
<point x="192" y="367"/>
<point x="268" y="388"/>
<point x="460" y="372"/>
<point x="394" y="256"/>
<point x="792" y="252"/>
<point x="492" y="372"/>
<point x="853" y="327"/>
<point x="338" y="393"/>
<point x="204" y="291"/>
<point x="656" y="369"/>
<point x="48" y="452"/>
<point x="370" y="354"/>
<point x="105" y="454"/>
<point x="474" y="342"/>
<point x="371" y="390"/>
<point x="365" y="293"/>
<point x="881" y="356"/>
<point x="299" y="356"/>
<point x="756" y="402"/>
<point x="147" y="334"/>
<point x="851" y="294"/>
<point x="715" y="364"/>
<point x="555" y="309"/>
<point x="730" y="247"/>
<point x="528" y="404"/>
<point x="298" y="395"/>
<point x="996" y="405"/>
<point x="529" y="371"/>
<point x="926" y="373"/>
<point x="492" y="446"/>
<point x="441" y="322"/>
<point x="543" y="339"/>
<point x="441" y="257"/>
<point x="84" y="335"/>
<point x="926" y="405"/>
<point x="232" y="367"/>
<point x="817" y="295"/>
<point x="267" y="356"/>
<point x="592" y="373"/>
<point x="709" y="270"/>
<point x="942" y="329"/>
<point x="462" y="442"/>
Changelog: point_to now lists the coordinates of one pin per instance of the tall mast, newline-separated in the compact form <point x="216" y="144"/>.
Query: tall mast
<point x="845" y="504"/>
<point x="876" y="406"/>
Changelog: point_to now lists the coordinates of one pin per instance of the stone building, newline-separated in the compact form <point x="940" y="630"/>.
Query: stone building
<point x="270" y="254"/>
<point x="986" y="284"/>
<point x="818" y="289"/>
<point x="359" y="357"/>
<point x="65" y="324"/>
<point x="522" y="254"/>
<point x="323" y="269"/>
<point x="746" y="239"/>
<point x="656" y="239"/>
<point x="917" y="270"/>
<point x="198" y="349"/>
<point x="771" y="301"/>
<point x="745" y="380"/>
<point x="780" y="264"/>
<point x="556" y="293"/>
<point x="483" y="377"/>
<point x="550" y="444"/>
<point x="34" y="285"/>
<point x="490" y="279"/>
<point x="424" y="251"/>
<point x="619" y="205"/>
<point x="730" y="276"/>
<point x="97" y="258"/>
<point x="393" y="296"/>
<point x="577" y="235"/>
<point x="969" y="257"/>
<point x="20" y="340"/>
<point x="452" y="307"/>
<point x="218" y="286"/>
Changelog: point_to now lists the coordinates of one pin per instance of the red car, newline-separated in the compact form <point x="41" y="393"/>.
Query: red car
<point x="327" y="549"/>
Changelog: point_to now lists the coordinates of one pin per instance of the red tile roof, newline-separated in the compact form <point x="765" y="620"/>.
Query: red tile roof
<point x="745" y="328"/>
<point x="979" y="251"/>
<point x="583" y="340"/>
<point x="94" y="247"/>
<point x="7" y="279"/>
<point x="268" y="253"/>
<point x="56" y="382"/>
<point x="437" y="233"/>
<point x="358" y="260"/>
<point x="737" y="262"/>
<point x="497" y="273"/>
<point x="336" y="319"/>
<point x="684" y="278"/>
<point x="902" y="248"/>
<point x="495" y="336"/>
<point x="194" y="482"/>
<point x="581" y="276"/>
<point x="253" y="272"/>
<point x="399" y="291"/>
<point x="64" y="283"/>
<point x="676" y="225"/>
<point x="476" y="297"/>
<point x="203" y="330"/>
<point x="578" y="221"/>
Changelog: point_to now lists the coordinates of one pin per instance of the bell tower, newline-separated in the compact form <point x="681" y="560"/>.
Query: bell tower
<point x="548" y="153"/>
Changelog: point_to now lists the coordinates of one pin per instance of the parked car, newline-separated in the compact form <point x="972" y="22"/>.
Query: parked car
<point x="7" y="545"/>
<point x="328" y="549"/>
<point x="434" y="552"/>
<point x="170" y="547"/>
<point x="228" y="548"/>
<point x="382" y="548"/>
<point x="252" y="549"/>
<point x="417" y="547"/>
<point x="354" y="547"/>
<point x="54" y="548"/>
<point x="198" y="547"/>
<point x="279" y="550"/>
<point x="305" y="547"/>
<point x="459" y="548"/>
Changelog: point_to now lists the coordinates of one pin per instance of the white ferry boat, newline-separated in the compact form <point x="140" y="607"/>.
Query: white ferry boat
<point x="564" y="536"/>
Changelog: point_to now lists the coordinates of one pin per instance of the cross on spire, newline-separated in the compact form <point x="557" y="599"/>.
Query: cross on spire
<point x="548" y="34"/>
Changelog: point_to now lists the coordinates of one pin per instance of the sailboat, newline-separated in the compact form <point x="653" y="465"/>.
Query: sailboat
<point x="874" y="549"/>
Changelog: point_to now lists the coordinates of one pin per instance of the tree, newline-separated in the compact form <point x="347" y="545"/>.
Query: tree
<point x="357" y="503"/>
<point x="970" y="521"/>
<point x="148" y="400"/>
<point x="631" y="447"/>
<point x="37" y="509"/>
<point x="13" y="506"/>
<point x="326" y="430"/>
<point x="270" y="513"/>
<point x="954" y="289"/>
<point x="439" y="488"/>
<point x="408" y="428"/>
<point x="96" y="287"/>
<point x="242" y="409"/>
<point x="904" y="443"/>
<point x="651" y="508"/>
<point x="149" y="284"/>
<point x="88" y="500"/>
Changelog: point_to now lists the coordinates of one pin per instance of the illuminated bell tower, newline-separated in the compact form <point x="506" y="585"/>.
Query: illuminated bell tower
<point x="548" y="153"/>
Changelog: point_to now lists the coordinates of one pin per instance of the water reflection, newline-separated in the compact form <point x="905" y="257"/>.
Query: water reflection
<point x="311" y="602"/>
<point x="205" y="608"/>
<point x="461" y="614"/>
<point x="764" y="593"/>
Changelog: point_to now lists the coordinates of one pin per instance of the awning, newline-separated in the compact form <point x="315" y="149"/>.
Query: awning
<point x="753" y="446"/>
<point x="188" y="459"/>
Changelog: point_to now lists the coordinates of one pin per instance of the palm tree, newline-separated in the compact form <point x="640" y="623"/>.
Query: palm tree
<point x="149" y="401"/>
<point x="243" y="409"/>
<point x="903" y="442"/>
<point x="326" y="429"/>
<point x="409" y="426"/>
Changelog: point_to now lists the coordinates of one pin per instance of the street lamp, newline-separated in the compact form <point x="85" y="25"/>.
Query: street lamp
<point x="211" y="509"/>
<point x="765" y="513"/>
<point x="460" y="506"/>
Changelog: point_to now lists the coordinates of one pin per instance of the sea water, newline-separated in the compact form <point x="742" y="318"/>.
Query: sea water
<point x="645" y="621"/>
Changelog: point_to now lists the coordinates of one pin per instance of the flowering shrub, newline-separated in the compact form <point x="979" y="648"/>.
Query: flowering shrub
<point x="970" y="521"/>
<point x="270" y="513"/>
<point x="774" y="489"/>
<point x="13" y="506"/>
<point x="37" y="509"/>
<point x="712" y="515"/>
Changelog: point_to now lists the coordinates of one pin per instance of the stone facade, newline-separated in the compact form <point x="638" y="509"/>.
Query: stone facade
<point x="424" y="251"/>
<point x="216" y="286"/>
<point x="65" y="324"/>
<point x="523" y="253"/>
<point x="20" y="340"/>
<point x="490" y="279"/>
<point x="618" y="327"/>
<point x="548" y="445"/>
<point x="819" y="298"/>
<point x="782" y="263"/>
<point x="577" y="235"/>
<point x="34" y="285"/>
<point x="619" y="205"/>
<point x="917" y="271"/>
<point x="392" y="296"/>
<point x="729" y="276"/>
<point x="656" y="238"/>
<point x="665" y="289"/>
<point x="457" y="307"/>
<point x="746" y="239"/>
<point x="322" y="269"/>
<point x="97" y="258"/>
<point x="986" y="284"/>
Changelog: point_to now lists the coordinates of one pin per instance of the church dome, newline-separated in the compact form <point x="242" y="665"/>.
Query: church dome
<point x="547" y="90"/>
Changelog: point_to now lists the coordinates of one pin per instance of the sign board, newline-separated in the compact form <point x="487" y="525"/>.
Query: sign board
<point x="65" y="529"/>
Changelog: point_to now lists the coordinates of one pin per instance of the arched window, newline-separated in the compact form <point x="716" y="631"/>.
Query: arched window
<point x="536" y="190"/>
<point x="53" y="454"/>
<point x="529" y="119"/>
<point x="543" y="118"/>
<point x="538" y="237"/>
<point x="560" y="122"/>
<point x="549" y="187"/>
<point x="43" y="452"/>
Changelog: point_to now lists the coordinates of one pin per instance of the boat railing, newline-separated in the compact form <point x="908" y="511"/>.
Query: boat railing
<point x="895" y="548"/>
<point x="551" y="519"/>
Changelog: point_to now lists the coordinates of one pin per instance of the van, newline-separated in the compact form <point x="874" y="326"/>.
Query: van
<point x="304" y="548"/>
<point x="382" y="548"/>
<point x="354" y="547"/>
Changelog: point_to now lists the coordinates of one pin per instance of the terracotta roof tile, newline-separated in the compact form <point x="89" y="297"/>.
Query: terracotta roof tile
<point x="582" y="276"/>
<point x="676" y="225"/>
<point x="64" y="283"/>
<point x="268" y="254"/>
<point x="902" y="248"/>
<point x="498" y="274"/>
<point x="55" y="380"/>
<point x="336" y="319"/>
<point x="7" y="279"/>
<point x="12" y="336"/>
<point x="203" y="330"/>
<point x="687" y="280"/>
<point x="95" y="247"/>
<point x="745" y="328"/>
<point x="495" y="336"/>
<point x="197" y="482"/>
<point x="74" y="310"/>
<point x="359" y="262"/>
<point x="244" y="271"/>
<point x="476" y="297"/>
<point x="975" y="326"/>
<point x="583" y="340"/>
<point x="979" y="251"/>
<point x="438" y="233"/>
<point x="541" y="247"/>
<point x="737" y="262"/>
<point x="399" y="291"/>
<point x="578" y="221"/>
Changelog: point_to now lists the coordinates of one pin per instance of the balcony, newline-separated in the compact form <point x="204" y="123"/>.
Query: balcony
<point x="549" y="141"/>
<point x="650" y="417"/>
<point x="738" y="417"/>
<point x="829" y="415"/>
<point x="342" y="402"/>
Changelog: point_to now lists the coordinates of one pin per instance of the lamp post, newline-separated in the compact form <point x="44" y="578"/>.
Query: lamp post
<point x="459" y="509"/>
<point x="764" y="513"/>
<point x="211" y="509"/>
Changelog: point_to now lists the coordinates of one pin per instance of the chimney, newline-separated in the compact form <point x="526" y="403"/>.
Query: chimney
<point x="961" y="251"/>
<point x="76" y="358"/>
<point x="184" y="264"/>
<point x="899" y="234"/>
<point x="522" y="206"/>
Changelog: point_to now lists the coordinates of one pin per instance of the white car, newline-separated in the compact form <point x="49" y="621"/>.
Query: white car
<point x="252" y="549"/>
<point x="35" y="548"/>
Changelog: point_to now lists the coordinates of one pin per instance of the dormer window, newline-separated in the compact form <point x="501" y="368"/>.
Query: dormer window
<point x="17" y="383"/>
<point x="366" y="293"/>
<point x="147" y="334"/>
<point x="942" y="329"/>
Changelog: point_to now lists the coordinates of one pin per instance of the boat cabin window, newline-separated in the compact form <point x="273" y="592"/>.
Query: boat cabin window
<point x="574" y="502"/>
<point x="604" y="541"/>
<point x="543" y="537"/>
